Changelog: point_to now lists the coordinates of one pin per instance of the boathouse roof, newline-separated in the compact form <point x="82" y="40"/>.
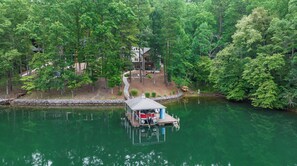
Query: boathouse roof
<point x="143" y="103"/>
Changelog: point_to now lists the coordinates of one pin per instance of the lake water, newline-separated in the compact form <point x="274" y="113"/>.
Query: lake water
<point x="212" y="132"/>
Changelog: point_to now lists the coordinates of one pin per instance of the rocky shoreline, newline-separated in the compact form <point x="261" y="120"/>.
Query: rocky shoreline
<point x="4" y="101"/>
<point x="73" y="102"/>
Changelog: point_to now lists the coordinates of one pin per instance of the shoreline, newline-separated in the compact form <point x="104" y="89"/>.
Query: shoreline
<point x="70" y="103"/>
<point x="76" y="102"/>
<point x="204" y="95"/>
<point x="5" y="101"/>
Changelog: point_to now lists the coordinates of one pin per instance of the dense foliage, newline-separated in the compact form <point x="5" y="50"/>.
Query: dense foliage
<point x="244" y="49"/>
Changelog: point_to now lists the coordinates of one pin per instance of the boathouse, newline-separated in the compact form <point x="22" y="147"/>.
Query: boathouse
<point x="142" y="111"/>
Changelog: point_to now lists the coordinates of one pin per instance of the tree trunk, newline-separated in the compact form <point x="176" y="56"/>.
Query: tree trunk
<point x="20" y="65"/>
<point x="105" y="83"/>
<point x="143" y="67"/>
<point x="154" y="76"/>
<point x="166" y="64"/>
<point x="9" y="83"/>
<point x="79" y="68"/>
<point x="93" y="87"/>
<point x="130" y="77"/>
<point x="140" y="74"/>
<point x="7" y="92"/>
<point x="63" y="89"/>
<point x="28" y="70"/>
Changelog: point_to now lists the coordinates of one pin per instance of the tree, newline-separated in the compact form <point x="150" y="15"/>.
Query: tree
<point x="202" y="70"/>
<point x="11" y="45"/>
<point x="142" y="11"/>
<point x="7" y="60"/>
<point x="203" y="42"/>
<point x="251" y="32"/>
<point x="172" y="36"/>
<point x="259" y="73"/>
<point x="226" y="73"/>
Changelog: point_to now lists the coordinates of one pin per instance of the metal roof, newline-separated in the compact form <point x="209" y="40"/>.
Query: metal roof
<point x="142" y="103"/>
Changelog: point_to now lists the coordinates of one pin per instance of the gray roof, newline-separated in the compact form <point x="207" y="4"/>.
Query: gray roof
<point x="142" y="103"/>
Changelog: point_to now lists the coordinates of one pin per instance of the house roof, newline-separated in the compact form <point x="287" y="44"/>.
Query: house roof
<point x="143" y="50"/>
<point x="142" y="103"/>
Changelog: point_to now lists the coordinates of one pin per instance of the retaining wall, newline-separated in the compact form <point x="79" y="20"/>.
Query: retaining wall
<point x="168" y="98"/>
<point x="4" y="101"/>
<point x="72" y="102"/>
<point x="64" y="102"/>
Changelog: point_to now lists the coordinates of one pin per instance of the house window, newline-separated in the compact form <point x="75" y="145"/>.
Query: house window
<point x="136" y="59"/>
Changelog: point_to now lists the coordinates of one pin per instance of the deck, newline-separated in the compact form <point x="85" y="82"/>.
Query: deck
<point x="168" y="120"/>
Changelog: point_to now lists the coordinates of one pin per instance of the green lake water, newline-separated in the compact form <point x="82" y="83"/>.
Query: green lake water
<point x="212" y="132"/>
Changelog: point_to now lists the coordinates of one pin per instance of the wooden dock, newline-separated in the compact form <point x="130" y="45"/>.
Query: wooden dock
<point x="168" y="120"/>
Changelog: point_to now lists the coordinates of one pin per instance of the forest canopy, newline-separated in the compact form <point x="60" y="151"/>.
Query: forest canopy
<point x="242" y="49"/>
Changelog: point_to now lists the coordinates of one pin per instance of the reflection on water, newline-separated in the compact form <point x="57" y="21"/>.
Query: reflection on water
<point x="146" y="135"/>
<point x="46" y="115"/>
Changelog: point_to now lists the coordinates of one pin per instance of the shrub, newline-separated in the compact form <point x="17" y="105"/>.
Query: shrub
<point x="134" y="92"/>
<point x="120" y="93"/>
<point x="147" y="94"/>
<point x="154" y="94"/>
<point x="173" y="92"/>
<point x="149" y="76"/>
<point x="127" y="75"/>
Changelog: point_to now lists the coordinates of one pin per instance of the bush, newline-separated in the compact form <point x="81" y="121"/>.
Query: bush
<point x="154" y="94"/>
<point x="149" y="76"/>
<point x="173" y="92"/>
<point x="127" y="75"/>
<point x="120" y="93"/>
<point x="147" y="94"/>
<point x="134" y="92"/>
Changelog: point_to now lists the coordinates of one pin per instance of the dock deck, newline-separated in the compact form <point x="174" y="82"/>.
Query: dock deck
<point x="168" y="120"/>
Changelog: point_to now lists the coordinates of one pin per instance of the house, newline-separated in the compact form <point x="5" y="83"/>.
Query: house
<point x="80" y="67"/>
<point x="140" y="54"/>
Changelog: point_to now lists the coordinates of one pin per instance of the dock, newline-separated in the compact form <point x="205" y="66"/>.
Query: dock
<point x="168" y="120"/>
<point x="143" y="111"/>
